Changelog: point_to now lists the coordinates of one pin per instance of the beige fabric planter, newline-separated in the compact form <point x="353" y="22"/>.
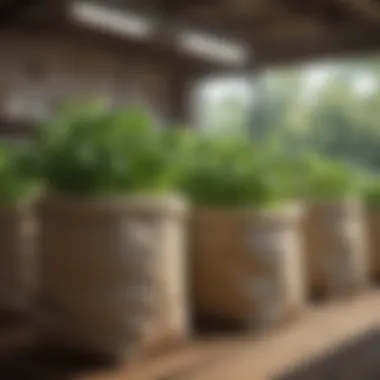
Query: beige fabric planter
<point x="247" y="266"/>
<point x="335" y="244"/>
<point x="16" y="260"/>
<point x="112" y="274"/>
<point x="373" y="233"/>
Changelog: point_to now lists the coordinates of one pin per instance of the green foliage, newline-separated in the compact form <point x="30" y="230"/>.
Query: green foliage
<point x="231" y="171"/>
<point x="90" y="151"/>
<point x="371" y="193"/>
<point x="324" y="179"/>
<point x="17" y="183"/>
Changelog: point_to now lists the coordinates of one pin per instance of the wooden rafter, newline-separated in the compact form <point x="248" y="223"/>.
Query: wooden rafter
<point x="11" y="9"/>
<point x="261" y="11"/>
<point x="287" y="28"/>
<point x="272" y="27"/>
<point x="23" y="11"/>
<point x="369" y="9"/>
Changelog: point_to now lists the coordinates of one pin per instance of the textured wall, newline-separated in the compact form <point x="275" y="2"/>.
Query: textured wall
<point x="38" y="71"/>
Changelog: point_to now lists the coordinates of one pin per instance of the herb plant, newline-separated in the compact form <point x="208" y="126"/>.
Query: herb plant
<point x="371" y="193"/>
<point x="230" y="171"/>
<point x="18" y="183"/>
<point x="89" y="151"/>
<point x="324" y="179"/>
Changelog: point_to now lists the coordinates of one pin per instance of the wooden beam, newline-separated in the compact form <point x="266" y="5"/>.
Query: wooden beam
<point x="367" y="9"/>
<point x="302" y="36"/>
<point x="338" y="43"/>
<point x="11" y="10"/>
<point x="171" y="32"/>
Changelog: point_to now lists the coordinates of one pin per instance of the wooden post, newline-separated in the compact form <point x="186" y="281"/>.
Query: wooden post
<point x="179" y="97"/>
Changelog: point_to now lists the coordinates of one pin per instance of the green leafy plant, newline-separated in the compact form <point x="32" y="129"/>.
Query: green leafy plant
<point x="231" y="172"/>
<point x="324" y="179"/>
<point x="371" y="193"/>
<point x="90" y="151"/>
<point x="18" y="183"/>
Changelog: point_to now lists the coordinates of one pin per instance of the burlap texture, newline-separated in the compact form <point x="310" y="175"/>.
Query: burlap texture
<point x="336" y="249"/>
<point x="16" y="259"/>
<point x="112" y="274"/>
<point x="247" y="266"/>
<point x="373" y="233"/>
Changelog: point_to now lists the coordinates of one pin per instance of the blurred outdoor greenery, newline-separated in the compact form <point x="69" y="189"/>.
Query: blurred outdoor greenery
<point x="332" y="108"/>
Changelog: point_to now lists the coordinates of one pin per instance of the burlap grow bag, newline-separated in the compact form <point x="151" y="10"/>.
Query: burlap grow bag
<point x="16" y="260"/>
<point x="373" y="233"/>
<point x="247" y="267"/>
<point x="335" y="248"/>
<point x="112" y="275"/>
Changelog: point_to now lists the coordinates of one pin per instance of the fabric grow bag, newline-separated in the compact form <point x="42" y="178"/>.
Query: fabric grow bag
<point x="112" y="274"/>
<point x="17" y="231"/>
<point x="335" y="245"/>
<point x="372" y="223"/>
<point x="247" y="266"/>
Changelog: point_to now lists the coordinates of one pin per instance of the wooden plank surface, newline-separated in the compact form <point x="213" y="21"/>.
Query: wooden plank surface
<point x="322" y="328"/>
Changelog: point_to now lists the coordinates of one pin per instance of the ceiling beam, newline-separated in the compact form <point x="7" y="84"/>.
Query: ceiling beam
<point x="344" y="42"/>
<point x="163" y="30"/>
<point x="12" y="10"/>
<point x="305" y="34"/>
